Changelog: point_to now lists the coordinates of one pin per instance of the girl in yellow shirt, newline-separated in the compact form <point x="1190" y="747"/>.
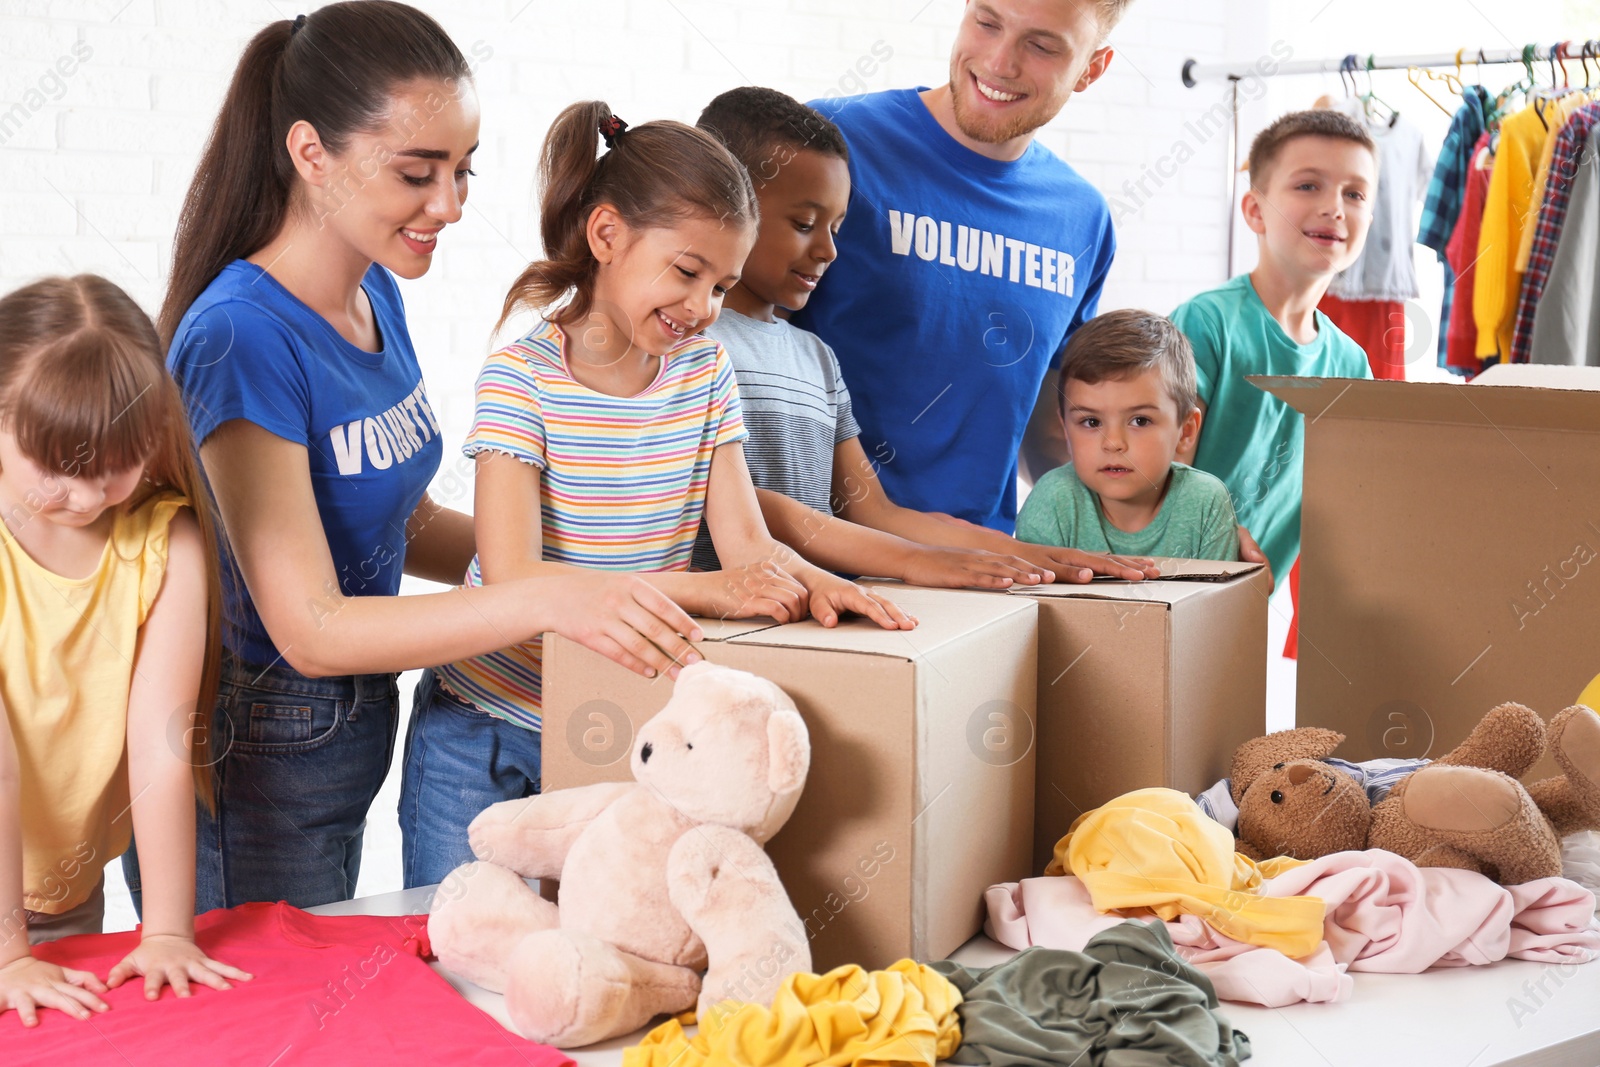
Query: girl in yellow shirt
<point x="109" y="639"/>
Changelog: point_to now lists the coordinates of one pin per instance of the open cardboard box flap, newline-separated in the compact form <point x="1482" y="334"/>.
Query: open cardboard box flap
<point x="1180" y="579"/>
<point x="1520" y="395"/>
<point x="1447" y="532"/>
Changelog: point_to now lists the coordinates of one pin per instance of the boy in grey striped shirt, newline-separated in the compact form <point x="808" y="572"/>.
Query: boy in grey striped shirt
<point x="818" y="488"/>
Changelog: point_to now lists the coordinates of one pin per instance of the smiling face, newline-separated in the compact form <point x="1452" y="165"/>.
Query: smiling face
<point x="1313" y="209"/>
<point x="1015" y="63"/>
<point x="657" y="285"/>
<point x="1124" y="434"/>
<point x="392" y="190"/>
<point x="802" y="207"/>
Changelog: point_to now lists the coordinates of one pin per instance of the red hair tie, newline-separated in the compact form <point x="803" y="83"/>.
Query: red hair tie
<point x="611" y="128"/>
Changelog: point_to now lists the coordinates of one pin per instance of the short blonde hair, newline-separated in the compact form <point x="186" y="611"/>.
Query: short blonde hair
<point x="1108" y="13"/>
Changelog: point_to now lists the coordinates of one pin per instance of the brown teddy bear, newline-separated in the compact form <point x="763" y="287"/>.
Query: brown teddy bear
<point x="1466" y="809"/>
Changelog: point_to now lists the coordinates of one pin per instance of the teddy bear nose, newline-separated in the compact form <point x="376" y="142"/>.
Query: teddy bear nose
<point x="1300" y="773"/>
<point x="644" y="753"/>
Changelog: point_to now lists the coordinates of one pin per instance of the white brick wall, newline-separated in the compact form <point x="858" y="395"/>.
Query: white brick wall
<point x="94" y="172"/>
<point x="95" y="164"/>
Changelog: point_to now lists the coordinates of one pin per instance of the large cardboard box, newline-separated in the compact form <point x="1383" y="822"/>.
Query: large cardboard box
<point x="1450" y="535"/>
<point x="1145" y="684"/>
<point x="921" y="790"/>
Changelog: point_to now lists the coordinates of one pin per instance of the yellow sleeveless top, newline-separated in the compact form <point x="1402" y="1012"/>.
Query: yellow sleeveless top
<point x="67" y="648"/>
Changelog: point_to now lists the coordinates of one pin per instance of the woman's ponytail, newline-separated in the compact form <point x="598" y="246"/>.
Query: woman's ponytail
<point x="336" y="69"/>
<point x="240" y="192"/>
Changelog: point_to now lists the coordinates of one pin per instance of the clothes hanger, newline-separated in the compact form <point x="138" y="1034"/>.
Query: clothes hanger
<point x="1415" y="75"/>
<point x="1370" y="97"/>
<point x="1347" y="67"/>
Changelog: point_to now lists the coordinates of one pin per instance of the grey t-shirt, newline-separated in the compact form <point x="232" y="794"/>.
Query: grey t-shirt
<point x="796" y="409"/>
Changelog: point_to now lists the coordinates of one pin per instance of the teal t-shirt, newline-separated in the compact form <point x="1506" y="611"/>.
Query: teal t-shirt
<point x="1195" y="520"/>
<point x="1250" y="439"/>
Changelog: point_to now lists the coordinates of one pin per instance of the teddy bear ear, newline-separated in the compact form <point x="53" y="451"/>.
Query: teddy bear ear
<point x="1255" y="757"/>
<point x="788" y="752"/>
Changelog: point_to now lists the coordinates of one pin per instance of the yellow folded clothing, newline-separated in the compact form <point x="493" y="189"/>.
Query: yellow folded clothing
<point x="845" y="1018"/>
<point x="1155" y="849"/>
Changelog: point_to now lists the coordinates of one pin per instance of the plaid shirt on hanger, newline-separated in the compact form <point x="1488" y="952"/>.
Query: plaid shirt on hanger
<point x="1570" y="142"/>
<point x="1442" y="207"/>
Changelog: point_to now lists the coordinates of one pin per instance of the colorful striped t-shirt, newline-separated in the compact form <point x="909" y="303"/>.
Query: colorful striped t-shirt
<point x="622" y="481"/>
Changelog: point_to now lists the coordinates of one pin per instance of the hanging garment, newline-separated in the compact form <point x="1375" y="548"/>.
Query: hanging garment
<point x="1378" y="326"/>
<point x="1128" y="997"/>
<point x="1506" y="210"/>
<point x="1566" y="325"/>
<point x="1291" y="643"/>
<point x="1441" y="207"/>
<point x="1566" y="156"/>
<point x="1385" y="269"/>
<point x="1155" y="849"/>
<point x="1555" y="112"/>
<point x="903" y="1015"/>
<point x="1384" y="914"/>
<point x="1463" y="252"/>
<point x="328" y="990"/>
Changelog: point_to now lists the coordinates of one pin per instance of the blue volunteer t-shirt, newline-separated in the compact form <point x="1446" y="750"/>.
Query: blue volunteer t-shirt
<point x="958" y="281"/>
<point x="249" y="349"/>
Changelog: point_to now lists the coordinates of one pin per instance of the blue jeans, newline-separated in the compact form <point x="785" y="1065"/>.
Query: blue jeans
<point x="459" y="760"/>
<point x="298" y="762"/>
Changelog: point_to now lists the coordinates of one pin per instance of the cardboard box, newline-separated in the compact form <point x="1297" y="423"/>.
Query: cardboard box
<point x="1145" y="684"/>
<point x="1450" y="537"/>
<point x="921" y="789"/>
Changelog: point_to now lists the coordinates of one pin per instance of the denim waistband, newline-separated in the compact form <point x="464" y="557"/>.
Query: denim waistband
<point x="282" y="678"/>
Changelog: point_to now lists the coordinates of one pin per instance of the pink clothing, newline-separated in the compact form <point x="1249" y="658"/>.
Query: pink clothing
<point x="1384" y="913"/>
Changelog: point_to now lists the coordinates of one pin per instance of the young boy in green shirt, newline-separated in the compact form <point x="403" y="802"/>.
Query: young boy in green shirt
<point x="1312" y="178"/>
<point x="1128" y="405"/>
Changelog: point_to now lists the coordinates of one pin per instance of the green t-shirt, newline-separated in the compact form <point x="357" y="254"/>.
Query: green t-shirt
<point x="1250" y="439"/>
<point x="1195" y="520"/>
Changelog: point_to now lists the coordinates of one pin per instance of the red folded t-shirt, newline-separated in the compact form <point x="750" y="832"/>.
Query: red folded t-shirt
<point x="334" y="990"/>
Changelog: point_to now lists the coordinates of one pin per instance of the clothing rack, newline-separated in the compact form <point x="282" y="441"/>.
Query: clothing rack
<point x="1195" y="72"/>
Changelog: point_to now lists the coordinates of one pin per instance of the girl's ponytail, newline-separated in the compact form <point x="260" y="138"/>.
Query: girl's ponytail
<point x="656" y="174"/>
<point x="568" y="163"/>
<point x="335" y="69"/>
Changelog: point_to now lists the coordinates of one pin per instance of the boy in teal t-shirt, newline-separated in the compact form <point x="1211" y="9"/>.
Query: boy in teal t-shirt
<point x="1312" y="178"/>
<point x="1128" y="404"/>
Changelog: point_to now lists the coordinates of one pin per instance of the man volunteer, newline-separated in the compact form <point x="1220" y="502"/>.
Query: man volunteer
<point x="969" y="255"/>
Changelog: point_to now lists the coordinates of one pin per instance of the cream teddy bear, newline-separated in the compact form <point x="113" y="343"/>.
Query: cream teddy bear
<point x="660" y="877"/>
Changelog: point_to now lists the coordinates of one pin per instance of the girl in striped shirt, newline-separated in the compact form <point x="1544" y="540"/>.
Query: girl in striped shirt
<point x="601" y="438"/>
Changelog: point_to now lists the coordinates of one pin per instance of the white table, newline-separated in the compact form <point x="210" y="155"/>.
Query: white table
<point x="1459" y="1017"/>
